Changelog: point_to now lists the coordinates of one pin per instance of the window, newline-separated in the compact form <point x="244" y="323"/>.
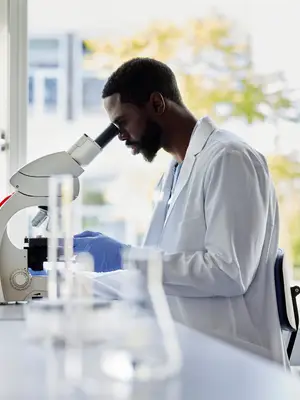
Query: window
<point x="47" y="92"/>
<point x="44" y="53"/>
<point x="91" y="94"/>
<point x="43" y="45"/>
<point x="51" y="94"/>
<point x="47" y="81"/>
<point x="30" y="90"/>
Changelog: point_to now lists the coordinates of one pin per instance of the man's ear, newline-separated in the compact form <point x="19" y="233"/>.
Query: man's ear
<point x="157" y="103"/>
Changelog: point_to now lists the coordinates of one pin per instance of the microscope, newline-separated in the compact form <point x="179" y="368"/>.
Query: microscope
<point x="31" y="189"/>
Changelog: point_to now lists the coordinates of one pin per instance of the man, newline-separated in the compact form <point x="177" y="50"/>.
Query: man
<point x="217" y="220"/>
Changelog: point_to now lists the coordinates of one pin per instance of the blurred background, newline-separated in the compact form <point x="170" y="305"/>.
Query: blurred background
<point x="236" y="61"/>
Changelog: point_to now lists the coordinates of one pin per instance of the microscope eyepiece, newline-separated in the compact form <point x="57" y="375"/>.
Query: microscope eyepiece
<point x="86" y="149"/>
<point x="107" y="135"/>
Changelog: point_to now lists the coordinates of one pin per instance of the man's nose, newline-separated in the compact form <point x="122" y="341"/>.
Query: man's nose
<point x="123" y="136"/>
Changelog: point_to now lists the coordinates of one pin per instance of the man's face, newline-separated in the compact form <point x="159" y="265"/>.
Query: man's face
<point x="137" y="128"/>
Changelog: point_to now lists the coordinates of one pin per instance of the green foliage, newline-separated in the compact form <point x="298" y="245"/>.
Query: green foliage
<point x="295" y="239"/>
<point x="286" y="175"/>
<point x="213" y="64"/>
<point x="283" y="168"/>
<point x="212" y="61"/>
<point x="93" y="198"/>
<point x="297" y="273"/>
<point x="89" y="223"/>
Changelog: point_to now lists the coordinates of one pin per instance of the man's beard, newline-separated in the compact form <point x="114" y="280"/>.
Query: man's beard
<point x="150" y="142"/>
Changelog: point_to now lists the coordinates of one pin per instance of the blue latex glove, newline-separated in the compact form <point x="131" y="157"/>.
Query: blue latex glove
<point x="37" y="273"/>
<point x="105" y="250"/>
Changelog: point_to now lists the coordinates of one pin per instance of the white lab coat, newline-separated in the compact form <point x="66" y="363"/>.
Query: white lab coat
<point x="219" y="241"/>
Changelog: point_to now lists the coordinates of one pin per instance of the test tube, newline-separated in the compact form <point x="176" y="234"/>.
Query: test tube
<point x="60" y="242"/>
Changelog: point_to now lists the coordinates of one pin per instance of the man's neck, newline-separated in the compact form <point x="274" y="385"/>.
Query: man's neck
<point x="181" y="128"/>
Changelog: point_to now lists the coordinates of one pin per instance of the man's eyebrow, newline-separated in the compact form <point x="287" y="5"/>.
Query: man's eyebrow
<point x="118" y="120"/>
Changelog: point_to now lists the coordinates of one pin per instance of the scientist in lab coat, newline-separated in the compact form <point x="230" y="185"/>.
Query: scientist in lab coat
<point x="216" y="221"/>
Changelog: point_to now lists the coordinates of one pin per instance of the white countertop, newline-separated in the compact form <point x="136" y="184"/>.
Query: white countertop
<point x="212" y="370"/>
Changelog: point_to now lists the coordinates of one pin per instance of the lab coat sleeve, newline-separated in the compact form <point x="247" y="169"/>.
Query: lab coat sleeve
<point x="236" y="208"/>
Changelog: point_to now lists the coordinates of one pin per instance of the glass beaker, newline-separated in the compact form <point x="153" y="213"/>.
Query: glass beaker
<point x="45" y="317"/>
<point x="147" y="347"/>
<point x="60" y="241"/>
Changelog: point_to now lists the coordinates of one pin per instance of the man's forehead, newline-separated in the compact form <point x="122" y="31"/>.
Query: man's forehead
<point x="113" y="106"/>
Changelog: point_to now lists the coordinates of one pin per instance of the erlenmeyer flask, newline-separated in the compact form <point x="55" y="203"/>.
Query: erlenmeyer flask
<point x="147" y="348"/>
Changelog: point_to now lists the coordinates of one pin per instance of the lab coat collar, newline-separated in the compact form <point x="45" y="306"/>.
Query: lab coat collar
<point x="200" y="135"/>
<point x="202" y="131"/>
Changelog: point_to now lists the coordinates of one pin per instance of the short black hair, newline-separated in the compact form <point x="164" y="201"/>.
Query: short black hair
<point x="137" y="78"/>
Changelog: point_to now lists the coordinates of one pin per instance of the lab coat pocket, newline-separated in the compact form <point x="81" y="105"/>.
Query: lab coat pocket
<point x="192" y="234"/>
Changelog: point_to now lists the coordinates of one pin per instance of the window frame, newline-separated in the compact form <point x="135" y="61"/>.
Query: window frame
<point x="17" y="83"/>
<point x="4" y="95"/>
<point x="14" y="80"/>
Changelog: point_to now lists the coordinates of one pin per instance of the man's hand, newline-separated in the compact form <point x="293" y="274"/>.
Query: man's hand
<point x="105" y="250"/>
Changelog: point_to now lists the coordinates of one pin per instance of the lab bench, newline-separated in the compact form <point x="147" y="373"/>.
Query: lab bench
<point x="211" y="370"/>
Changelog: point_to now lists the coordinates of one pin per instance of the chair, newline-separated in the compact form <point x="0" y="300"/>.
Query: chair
<point x="286" y="302"/>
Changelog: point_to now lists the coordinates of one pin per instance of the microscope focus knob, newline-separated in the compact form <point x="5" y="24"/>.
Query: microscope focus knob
<point x="20" y="279"/>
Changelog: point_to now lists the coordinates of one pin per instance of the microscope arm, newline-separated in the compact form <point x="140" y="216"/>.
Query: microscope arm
<point x="31" y="189"/>
<point x="31" y="183"/>
<point x="33" y="178"/>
